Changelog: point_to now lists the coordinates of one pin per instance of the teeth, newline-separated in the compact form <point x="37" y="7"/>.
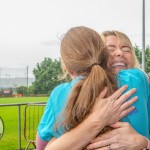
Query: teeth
<point x="118" y="64"/>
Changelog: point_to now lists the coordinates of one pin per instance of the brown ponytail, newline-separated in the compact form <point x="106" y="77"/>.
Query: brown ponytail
<point x="80" y="48"/>
<point x="83" y="96"/>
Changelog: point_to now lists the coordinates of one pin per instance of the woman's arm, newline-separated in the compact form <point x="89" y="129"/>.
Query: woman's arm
<point x="106" y="111"/>
<point x="122" y="137"/>
<point x="76" y="139"/>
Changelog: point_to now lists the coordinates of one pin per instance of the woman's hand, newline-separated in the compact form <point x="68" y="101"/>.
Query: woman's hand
<point x="123" y="137"/>
<point x="112" y="109"/>
<point x="106" y="111"/>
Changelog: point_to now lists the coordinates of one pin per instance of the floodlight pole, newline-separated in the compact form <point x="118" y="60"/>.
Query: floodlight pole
<point x="143" y="35"/>
<point x="27" y="76"/>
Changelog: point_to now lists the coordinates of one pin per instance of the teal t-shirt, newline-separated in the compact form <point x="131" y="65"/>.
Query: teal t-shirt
<point x="139" y="118"/>
<point x="55" y="105"/>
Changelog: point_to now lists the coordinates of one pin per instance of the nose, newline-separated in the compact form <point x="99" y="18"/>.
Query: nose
<point x="118" y="52"/>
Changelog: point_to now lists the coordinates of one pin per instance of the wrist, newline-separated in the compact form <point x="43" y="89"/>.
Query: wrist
<point x="87" y="130"/>
<point x="96" y="123"/>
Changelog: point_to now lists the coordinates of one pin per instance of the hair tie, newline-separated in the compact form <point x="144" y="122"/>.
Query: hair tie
<point x="94" y="64"/>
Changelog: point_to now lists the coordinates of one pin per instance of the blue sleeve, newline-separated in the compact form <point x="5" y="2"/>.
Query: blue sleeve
<point x="46" y="125"/>
<point x="138" y="118"/>
<point x="52" y="113"/>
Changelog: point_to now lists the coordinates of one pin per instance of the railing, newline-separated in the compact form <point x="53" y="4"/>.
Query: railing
<point x="19" y="117"/>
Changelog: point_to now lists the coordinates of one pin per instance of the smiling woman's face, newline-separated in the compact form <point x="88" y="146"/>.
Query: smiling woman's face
<point x="120" y="54"/>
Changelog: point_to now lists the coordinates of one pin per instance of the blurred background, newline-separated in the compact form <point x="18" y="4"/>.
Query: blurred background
<point x="30" y="30"/>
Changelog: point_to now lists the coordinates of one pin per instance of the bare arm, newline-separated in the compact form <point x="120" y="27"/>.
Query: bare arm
<point x="80" y="136"/>
<point x="73" y="140"/>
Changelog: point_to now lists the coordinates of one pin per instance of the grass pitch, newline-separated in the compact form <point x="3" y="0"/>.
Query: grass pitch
<point x="9" y="114"/>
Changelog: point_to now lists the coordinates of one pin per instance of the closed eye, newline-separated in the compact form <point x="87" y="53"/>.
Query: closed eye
<point x="111" y="48"/>
<point x="126" y="49"/>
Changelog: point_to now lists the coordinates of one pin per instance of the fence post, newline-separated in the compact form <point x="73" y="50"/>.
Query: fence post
<point x="19" y="117"/>
<point x="19" y="127"/>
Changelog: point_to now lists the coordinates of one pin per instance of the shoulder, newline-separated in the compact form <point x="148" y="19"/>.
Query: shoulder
<point x="60" y="88"/>
<point x="133" y="78"/>
<point x="134" y="73"/>
<point x="57" y="99"/>
<point x="60" y="92"/>
<point x="65" y="87"/>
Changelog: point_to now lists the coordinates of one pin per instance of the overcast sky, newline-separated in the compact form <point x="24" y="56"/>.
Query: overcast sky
<point x="30" y="29"/>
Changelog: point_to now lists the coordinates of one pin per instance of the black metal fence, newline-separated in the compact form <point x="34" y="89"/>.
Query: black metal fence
<point x="19" y="116"/>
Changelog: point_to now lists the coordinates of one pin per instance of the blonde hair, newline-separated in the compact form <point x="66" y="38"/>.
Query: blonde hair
<point x="84" y="53"/>
<point x="123" y="38"/>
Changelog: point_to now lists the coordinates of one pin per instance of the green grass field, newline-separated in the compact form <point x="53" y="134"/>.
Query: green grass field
<point x="9" y="114"/>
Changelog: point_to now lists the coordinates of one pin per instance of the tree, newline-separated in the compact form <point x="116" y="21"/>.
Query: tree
<point x="138" y="53"/>
<point x="147" y="59"/>
<point x="22" y="90"/>
<point x="46" y="76"/>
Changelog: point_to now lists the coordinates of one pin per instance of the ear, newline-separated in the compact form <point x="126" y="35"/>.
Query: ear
<point x="63" y="67"/>
<point x="71" y="73"/>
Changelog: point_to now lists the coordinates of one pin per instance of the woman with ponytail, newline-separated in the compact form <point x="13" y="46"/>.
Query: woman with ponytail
<point x="77" y="107"/>
<point x="85" y="58"/>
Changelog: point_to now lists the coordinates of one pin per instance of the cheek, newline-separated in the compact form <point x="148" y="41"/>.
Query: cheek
<point x="131" y="63"/>
<point x="108" y="62"/>
<point x="130" y="60"/>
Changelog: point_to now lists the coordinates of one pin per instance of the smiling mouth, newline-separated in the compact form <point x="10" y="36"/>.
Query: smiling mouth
<point x="118" y="64"/>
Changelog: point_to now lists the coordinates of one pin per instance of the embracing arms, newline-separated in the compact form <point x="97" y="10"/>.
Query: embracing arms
<point x="114" y="106"/>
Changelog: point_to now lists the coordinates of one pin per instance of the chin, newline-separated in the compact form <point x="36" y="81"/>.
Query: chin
<point x="116" y="70"/>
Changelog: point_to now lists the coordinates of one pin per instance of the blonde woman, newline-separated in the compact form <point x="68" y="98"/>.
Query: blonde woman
<point x="122" y="56"/>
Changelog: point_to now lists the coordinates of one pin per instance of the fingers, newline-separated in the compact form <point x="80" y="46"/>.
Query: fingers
<point x="103" y="148"/>
<point x="105" y="136"/>
<point x="125" y="96"/>
<point x="126" y="105"/>
<point x="118" y="92"/>
<point x="100" y="144"/>
<point x="127" y="111"/>
<point x="119" y="125"/>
